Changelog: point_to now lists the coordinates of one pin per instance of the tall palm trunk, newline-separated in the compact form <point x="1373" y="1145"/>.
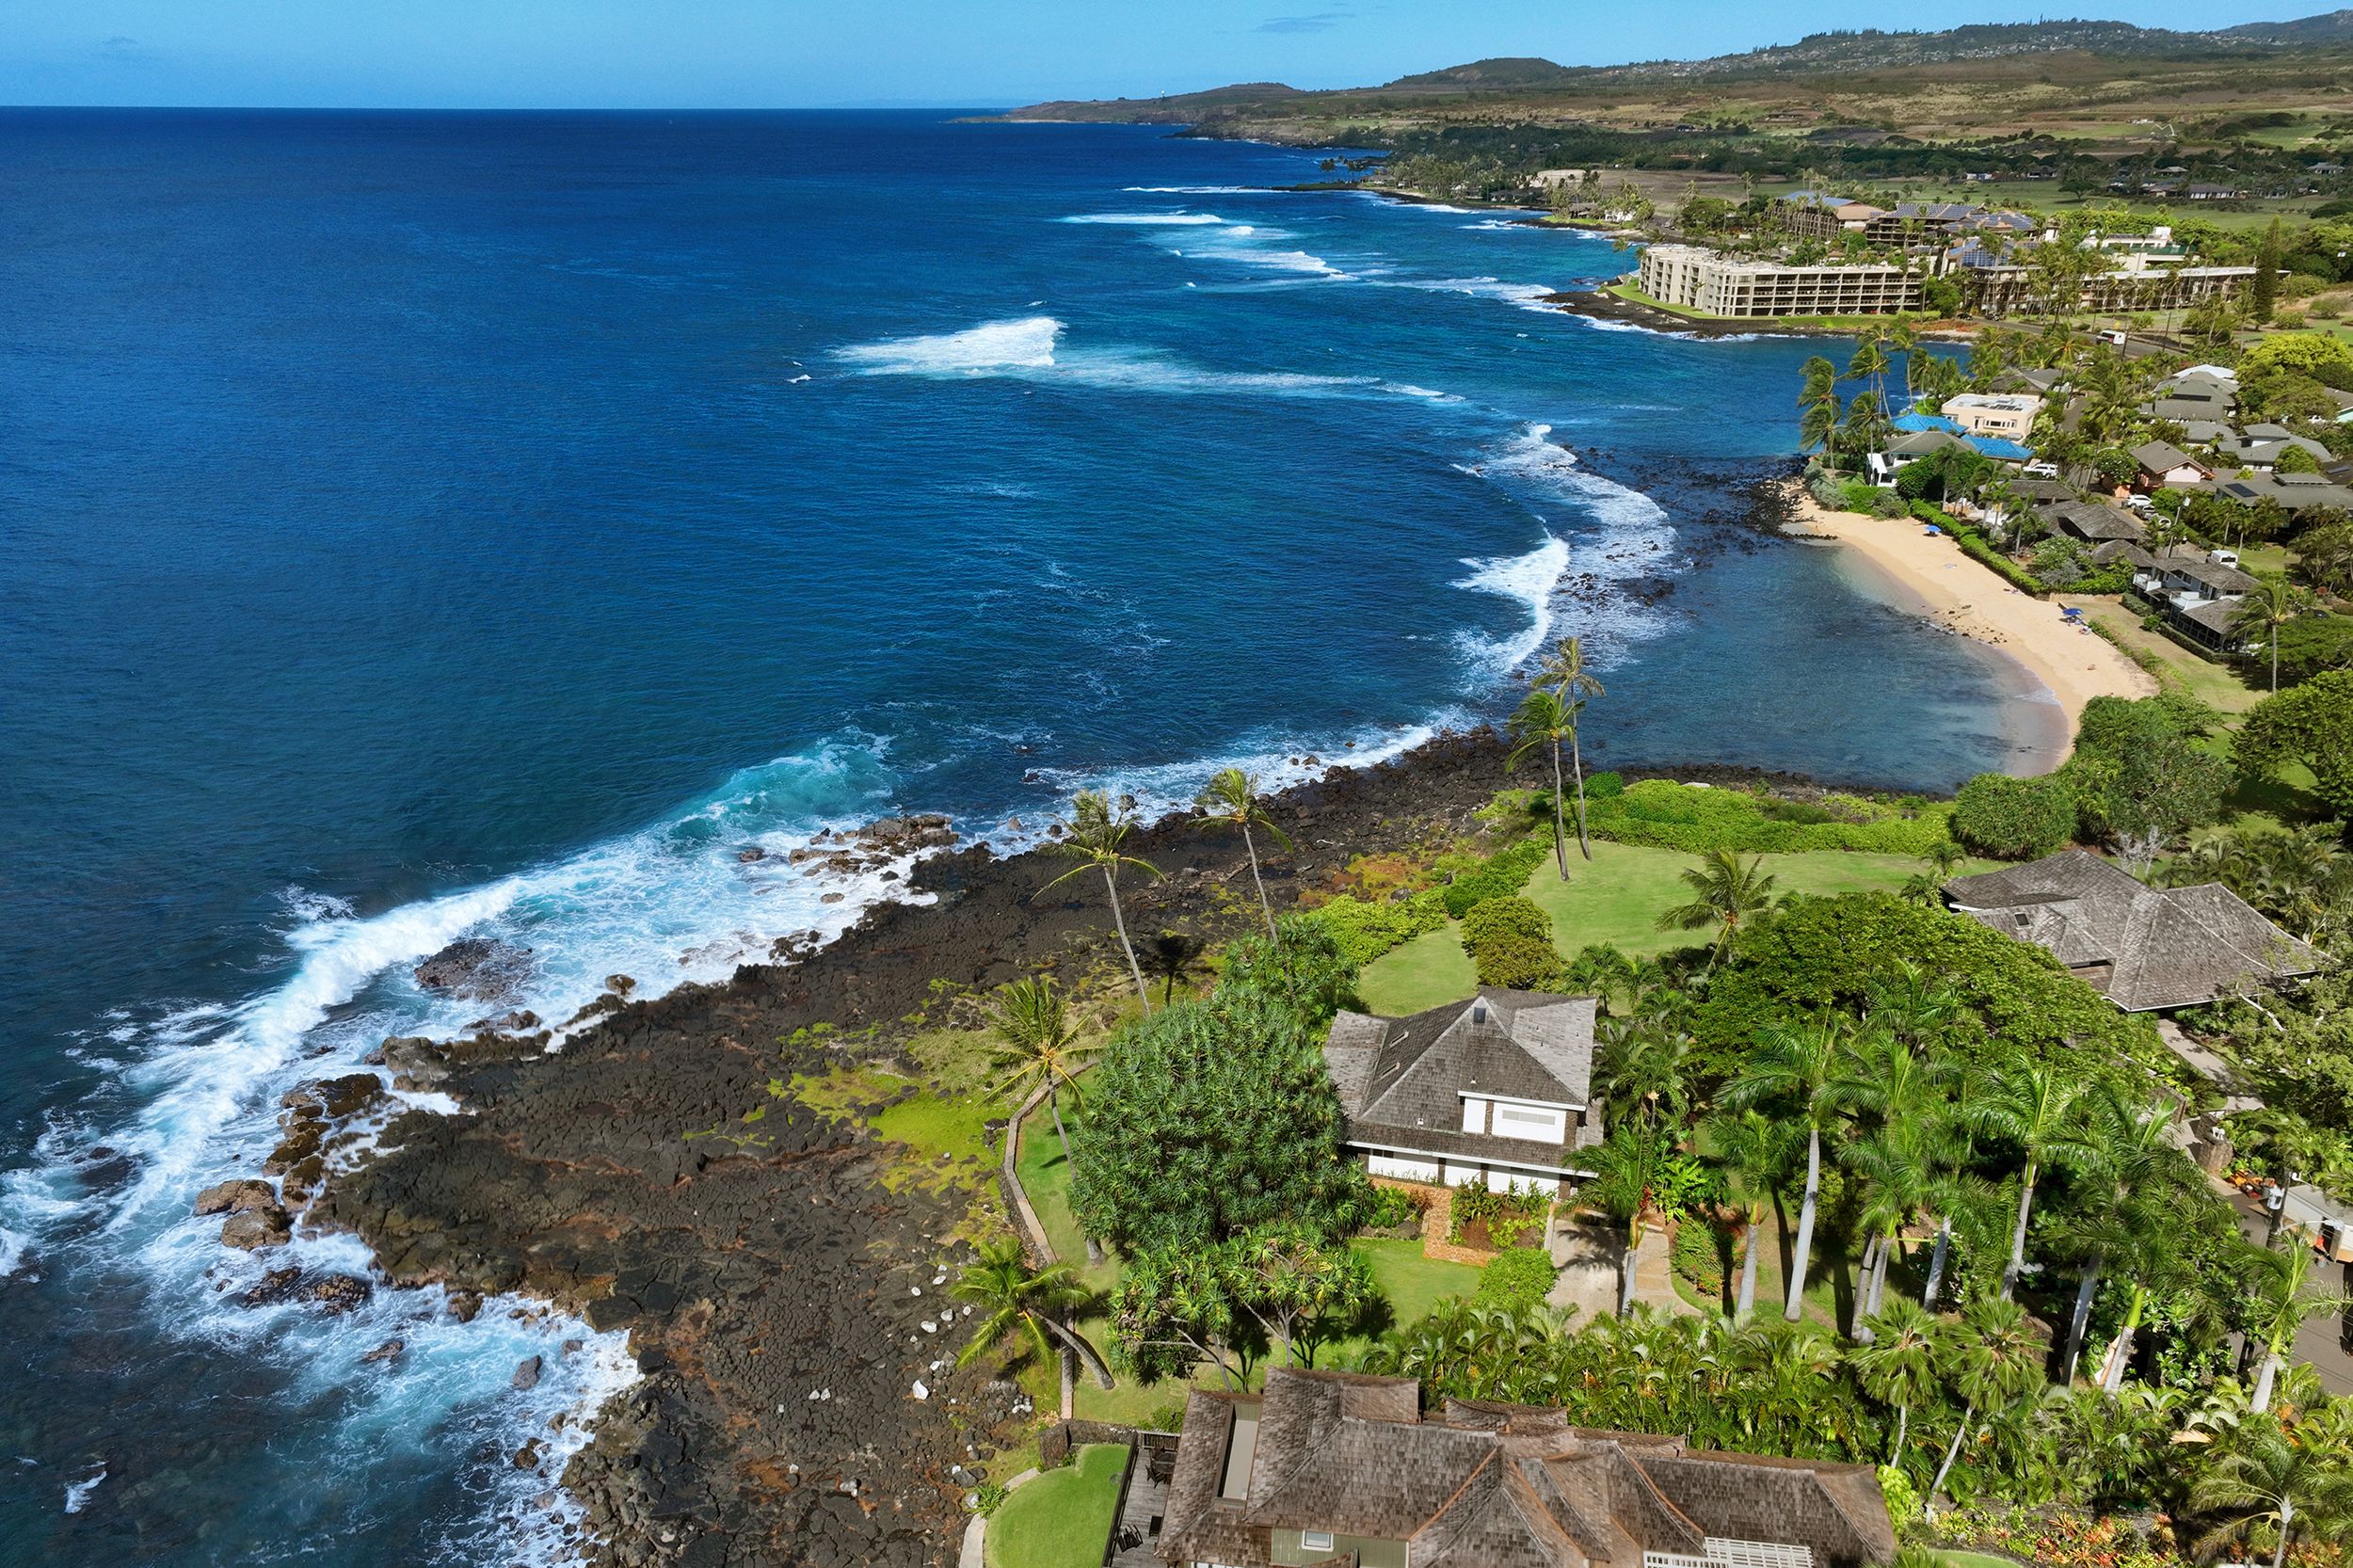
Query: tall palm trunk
<point x="2287" y="1531"/>
<point x="1625" y="1275"/>
<point x="1259" y="882"/>
<point x="1863" y="1332"/>
<point x="1968" y="1413"/>
<point x="1936" y="1261"/>
<point x="1559" y="823"/>
<point x="1073" y="1345"/>
<point x="1053" y="1104"/>
<point x="1746" y="1303"/>
<point x="2264" y="1379"/>
<point x="1796" y="1308"/>
<point x="2082" y="1318"/>
<point x="2121" y="1348"/>
<point x="2017" y="1264"/>
<point x="1119" y="919"/>
<point x="1577" y="770"/>
<point x="1903" y="1426"/>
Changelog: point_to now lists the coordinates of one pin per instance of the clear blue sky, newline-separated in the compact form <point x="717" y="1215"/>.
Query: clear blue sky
<point x="672" y="54"/>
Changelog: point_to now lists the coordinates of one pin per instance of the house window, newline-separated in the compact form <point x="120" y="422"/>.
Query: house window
<point x="1315" y="1540"/>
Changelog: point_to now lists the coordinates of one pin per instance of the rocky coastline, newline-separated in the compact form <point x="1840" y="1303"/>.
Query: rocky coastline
<point x="782" y="1302"/>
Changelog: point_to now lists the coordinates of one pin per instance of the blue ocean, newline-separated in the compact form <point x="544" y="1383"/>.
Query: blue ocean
<point x="442" y="524"/>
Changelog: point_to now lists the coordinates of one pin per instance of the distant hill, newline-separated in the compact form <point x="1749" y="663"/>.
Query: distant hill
<point x="1815" y="55"/>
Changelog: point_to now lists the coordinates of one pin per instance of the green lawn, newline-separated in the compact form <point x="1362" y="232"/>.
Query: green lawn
<point x="1064" y="1518"/>
<point x="1615" y="898"/>
<point x="1412" y="1283"/>
<point x="2214" y="684"/>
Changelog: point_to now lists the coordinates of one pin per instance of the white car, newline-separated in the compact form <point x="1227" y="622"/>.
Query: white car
<point x="2040" y="470"/>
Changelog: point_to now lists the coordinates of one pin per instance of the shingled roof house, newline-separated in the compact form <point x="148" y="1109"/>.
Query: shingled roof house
<point x="2143" y="948"/>
<point x="1339" y="1467"/>
<point x="1498" y="1089"/>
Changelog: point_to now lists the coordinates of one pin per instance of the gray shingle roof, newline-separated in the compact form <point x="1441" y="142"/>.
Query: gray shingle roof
<point x="2160" y="456"/>
<point x="2144" y="947"/>
<point x="1492" y="1486"/>
<point x="1401" y="1081"/>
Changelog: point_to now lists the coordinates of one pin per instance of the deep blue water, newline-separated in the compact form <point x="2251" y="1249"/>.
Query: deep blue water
<point x="425" y="524"/>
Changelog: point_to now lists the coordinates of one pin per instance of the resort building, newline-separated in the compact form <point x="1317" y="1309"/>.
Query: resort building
<point x="1495" y="1089"/>
<point x="2145" y="949"/>
<point x="2007" y="414"/>
<point x="1343" y="1468"/>
<point x="1814" y="214"/>
<point x="1690" y="278"/>
<point x="2004" y="286"/>
<point x="1914" y="222"/>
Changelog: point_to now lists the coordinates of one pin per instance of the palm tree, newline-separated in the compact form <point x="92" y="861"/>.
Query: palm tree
<point x="1015" y="1298"/>
<point x="1231" y="797"/>
<point x="1898" y="1366"/>
<point x="2270" y="1476"/>
<point x="2280" y="1307"/>
<point x="1729" y="893"/>
<point x="1991" y="1362"/>
<point x="1037" y="1047"/>
<point x="1755" y="1154"/>
<point x="1542" y="721"/>
<point x="1798" y="1068"/>
<point x="1881" y="1075"/>
<point x="1563" y="673"/>
<point x="2270" y="604"/>
<point x="1096" y="830"/>
<point x="1818" y="404"/>
<point x="2033" y="1105"/>
<point x="1628" y="1170"/>
<point x="1645" y="1069"/>
<point x="2135" y="1162"/>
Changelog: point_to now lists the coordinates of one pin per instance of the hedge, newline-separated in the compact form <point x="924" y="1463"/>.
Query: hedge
<point x="1517" y="963"/>
<point x="1662" y="814"/>
<point x="1519" y="1277"/>
<point x="1365" y="931"/>
<point x="1514" y="916"/>
<point x="1504" y="873"/>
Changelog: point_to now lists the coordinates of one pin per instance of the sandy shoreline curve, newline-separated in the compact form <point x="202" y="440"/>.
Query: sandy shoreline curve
<point x="2075" y="664"/>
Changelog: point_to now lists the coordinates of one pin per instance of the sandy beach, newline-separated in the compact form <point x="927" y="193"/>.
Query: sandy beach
<point x="2074" y="662"/>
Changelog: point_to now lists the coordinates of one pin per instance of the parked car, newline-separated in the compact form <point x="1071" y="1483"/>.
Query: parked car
<point x="2040" y="470"/>
<point x="2223" y="557"/>
<point x="2111" y="336"/>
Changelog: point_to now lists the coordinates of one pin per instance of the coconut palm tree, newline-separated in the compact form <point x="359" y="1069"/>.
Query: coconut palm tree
<point x="1818" y="404"/>
<point x="1797" y="1069"/>
<point x="1231" y="798"/>
<point x="1758" y="1156"/>
<point x="1645" y="1069"/>
<point x="2288" y="1479"/>
<point x="1898" y="1366"/>
<point x="1037" y="1047"/>
<point x="2134" y="1170"/>
<point x="1094" y="836"/>
<point x="2281" y="1304"/>
<point x="1563" y="673"/>
<point x="1728" y="893"/>
<point x="1543" y="722"/>
<point x="2270" y="604"/>
<point x="1990" y="1361"/>
<point x="1014" y="1300"/>
<point x="2034" y="1106"/>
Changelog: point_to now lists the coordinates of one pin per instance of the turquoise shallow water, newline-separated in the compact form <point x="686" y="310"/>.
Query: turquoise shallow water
<point x="439" y="524"/>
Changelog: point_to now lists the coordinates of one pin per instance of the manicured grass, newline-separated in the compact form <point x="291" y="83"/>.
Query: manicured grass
<point x="1414" y="1284"/>
<point x="2214" y="684"/>
<point x="1430" y="970"/>
<point x="1046" y="1176"/>
<point x="1064" y="1518"/>
<point x="1615" y="898"/>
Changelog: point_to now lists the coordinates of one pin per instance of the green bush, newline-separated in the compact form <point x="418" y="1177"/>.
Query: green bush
<point x="1662" y="814"/>
<point x="1517" y="1278"/>
<point x="2015" y="818"/>
<point x="1388" y="1208"/>
<point x="1514" y="916"/>
<point x="1862" y="496"/>
<point x="1696" y="1258"/>
<point x="1365" y="929"/>
<point x="1517" y="963"/>
<point x="1604" y="786"/>
<point x="1502" y="875"/>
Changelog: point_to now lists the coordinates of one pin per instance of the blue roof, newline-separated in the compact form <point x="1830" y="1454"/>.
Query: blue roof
<point x="1994" y="446"/>
<point x="1913" y="423"/>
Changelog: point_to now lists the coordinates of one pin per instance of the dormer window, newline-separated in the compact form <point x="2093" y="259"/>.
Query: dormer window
<point x="1315" y="1540"/>
<point x="1478" y="1012"/>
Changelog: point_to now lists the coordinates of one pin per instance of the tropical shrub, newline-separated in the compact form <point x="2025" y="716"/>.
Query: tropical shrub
<point x="1663" y="814"/>
<point x="2312" y="725"/>
<point x="1519" y="1277"/>
<point x="1604" y="786"/>
<point x="2015" y="818"/>
<point x="2138" y="769"/>
<point x="1303" y="968"/>
<point x="1364" y="930"/>
<point x="1514" y="916"/>
<point x="2313" y="644"/>
<point x="1209" y="1118"/>
<point x="1501" y="874"/>
<point x="1517" y="963"/>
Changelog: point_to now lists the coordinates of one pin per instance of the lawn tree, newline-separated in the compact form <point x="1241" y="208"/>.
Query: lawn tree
<point x="1758" y="1156"/>
<point x="1095" y="834"/>
<point x="1898" y="1364"/>
<point x="1301" y="1289"/>
<point x="1727" y="893"/>
<point x="2036" y="1107"/>
<point x="1566" y="673"/>
<point x="1629" y="1167"/>
<point x="2270" y="604"/>
<point x="1036" y="1046"/>
<point x="1992" y="1360"/>
<point x="2281" y="1304"/>
<point x="1541" y="723"/>
<point x="1173" y="1309"/>
<point x="2312" y="724"/>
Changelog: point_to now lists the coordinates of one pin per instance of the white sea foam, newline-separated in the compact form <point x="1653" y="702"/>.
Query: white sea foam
<point x="1196" y="190"/>
<point x="77" y="1493"/>
<point x="1530" y="580"/>
<point x="1033" y="349"/>
<point x="1527" y="296"/>
<point x="1147" y="221"/>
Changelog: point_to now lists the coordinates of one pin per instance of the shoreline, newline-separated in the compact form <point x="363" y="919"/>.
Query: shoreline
<point x="774" y="1296"/>
<point x="1930" y="577"/>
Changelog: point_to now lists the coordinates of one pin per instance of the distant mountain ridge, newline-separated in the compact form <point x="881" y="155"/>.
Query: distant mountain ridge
<point x="1867" y="50"/>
